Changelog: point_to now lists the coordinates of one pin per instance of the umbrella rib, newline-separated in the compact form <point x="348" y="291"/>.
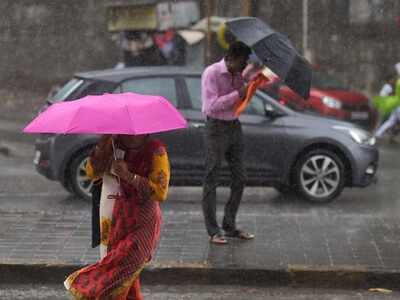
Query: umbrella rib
<point x="130" y="117"/>
<point x="72" y="121"/>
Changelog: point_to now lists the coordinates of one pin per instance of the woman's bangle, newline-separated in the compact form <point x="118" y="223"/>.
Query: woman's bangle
<point x="131" y="177"/>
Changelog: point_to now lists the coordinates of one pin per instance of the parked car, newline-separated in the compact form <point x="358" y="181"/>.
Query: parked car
<point x="330" y="97"/>
<point x="284" y="149"/>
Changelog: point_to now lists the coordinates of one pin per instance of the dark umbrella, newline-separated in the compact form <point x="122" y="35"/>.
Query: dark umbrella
<point x="275" y="51"/>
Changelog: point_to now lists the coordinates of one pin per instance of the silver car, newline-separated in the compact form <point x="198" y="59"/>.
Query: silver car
<point x="284" y="149"/>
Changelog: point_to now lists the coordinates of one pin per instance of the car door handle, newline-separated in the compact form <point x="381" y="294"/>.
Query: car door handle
<point x="197" y="125"/>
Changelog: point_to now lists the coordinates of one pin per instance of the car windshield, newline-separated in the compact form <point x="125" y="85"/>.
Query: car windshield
<point x="294" y="106"/>
<point x="60" y="94"/>
<point x="265" y="98"/>
<point x="287" y="104"/>
<point x="326" y="81"/>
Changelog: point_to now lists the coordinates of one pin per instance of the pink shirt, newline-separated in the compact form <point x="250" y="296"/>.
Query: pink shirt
<point x="220" y="91"/>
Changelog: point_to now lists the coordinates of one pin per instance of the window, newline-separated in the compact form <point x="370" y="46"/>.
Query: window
<point x="58" y="95"/>
<point x="152" y="86"/>
<point x="255" y="107"/>
<point x="194" y="89"/>
<point x="363" y="12"/>
<point x="93" y="88"/>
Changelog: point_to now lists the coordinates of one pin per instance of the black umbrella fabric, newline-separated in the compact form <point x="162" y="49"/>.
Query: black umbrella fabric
<point x="275" y="51"/>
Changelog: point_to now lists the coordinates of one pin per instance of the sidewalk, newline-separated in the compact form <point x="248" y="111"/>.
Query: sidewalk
<point x="290" y="249"/>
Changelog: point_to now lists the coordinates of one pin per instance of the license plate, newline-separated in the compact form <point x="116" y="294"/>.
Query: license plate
<point x="359" y="115"/>
<point x="36" y="157"/>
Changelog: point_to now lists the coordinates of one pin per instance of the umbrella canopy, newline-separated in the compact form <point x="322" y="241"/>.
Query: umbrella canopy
<point x="275" y="51"/>
<point x="125" y="113"/>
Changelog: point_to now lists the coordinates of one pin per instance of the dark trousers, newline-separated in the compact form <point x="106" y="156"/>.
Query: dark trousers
<point x="96" y="194"/>
<point x="224" y="139"/>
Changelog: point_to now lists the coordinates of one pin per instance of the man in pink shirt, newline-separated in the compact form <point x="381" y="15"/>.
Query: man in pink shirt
<point x="223" y="87"/>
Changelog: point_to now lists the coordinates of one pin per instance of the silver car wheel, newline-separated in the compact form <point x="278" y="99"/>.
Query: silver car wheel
<point x="84" y="182"/>
<point x="320" y="176"/>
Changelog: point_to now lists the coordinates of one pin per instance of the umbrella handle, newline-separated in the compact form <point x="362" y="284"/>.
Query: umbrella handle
<point x="113" y="146"/>
<point x="115" y="157"/>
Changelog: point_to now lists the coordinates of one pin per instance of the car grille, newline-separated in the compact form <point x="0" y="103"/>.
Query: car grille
<point x="362" y="123"/>
<point x="355" y="110"/>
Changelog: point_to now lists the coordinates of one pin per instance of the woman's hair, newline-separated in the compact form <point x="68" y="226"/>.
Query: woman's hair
<point x="238" y="49"/>
<point x="102" y="161"/>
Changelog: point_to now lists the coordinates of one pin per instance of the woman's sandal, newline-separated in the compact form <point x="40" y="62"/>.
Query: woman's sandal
<point x="240" y="234"/>
<point x="218" y="239"/>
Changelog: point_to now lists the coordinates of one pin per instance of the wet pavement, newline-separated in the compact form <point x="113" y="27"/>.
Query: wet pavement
<point x="283" y="241"/>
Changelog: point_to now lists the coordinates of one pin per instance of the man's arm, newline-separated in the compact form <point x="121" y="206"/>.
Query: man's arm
<point x="209" y="91"/>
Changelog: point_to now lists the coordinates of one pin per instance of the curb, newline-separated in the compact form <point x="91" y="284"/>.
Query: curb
<point x="296" y="276"/>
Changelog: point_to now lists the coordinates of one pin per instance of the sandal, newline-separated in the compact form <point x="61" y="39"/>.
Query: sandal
<point x="218" y="239"/>
<point x="240" y="234"/>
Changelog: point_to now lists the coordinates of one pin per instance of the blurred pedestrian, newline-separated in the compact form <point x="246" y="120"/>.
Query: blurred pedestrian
<point x="135" y="176"/>
<point x="391" y="89"/>
<point x="391" y="123"/>
<point x="389" y="85"/>
<point x="223" y="87"/>
<point x="138" y="49"/>
<point x="172" y="46"/>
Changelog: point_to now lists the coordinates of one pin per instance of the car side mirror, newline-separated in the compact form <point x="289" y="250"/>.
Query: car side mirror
<point x="270" y="111"/>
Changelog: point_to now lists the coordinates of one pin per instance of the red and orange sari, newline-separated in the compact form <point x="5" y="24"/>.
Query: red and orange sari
<point x="130" y="228"/>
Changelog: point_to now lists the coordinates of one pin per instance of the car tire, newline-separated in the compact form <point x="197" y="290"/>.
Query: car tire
<point x="66" y="184"/>
<point x="81" y="185"/>
<point x="320" y="176"/>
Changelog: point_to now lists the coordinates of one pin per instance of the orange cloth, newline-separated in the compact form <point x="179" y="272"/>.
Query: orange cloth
<point x="259" y="81"/>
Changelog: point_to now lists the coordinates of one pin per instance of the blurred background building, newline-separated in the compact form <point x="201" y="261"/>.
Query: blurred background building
<point x="45" y="41"/>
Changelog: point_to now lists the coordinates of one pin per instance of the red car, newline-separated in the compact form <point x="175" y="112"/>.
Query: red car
<point x="331" y="98"/>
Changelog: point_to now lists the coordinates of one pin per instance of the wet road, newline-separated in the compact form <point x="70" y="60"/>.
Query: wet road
<point x="202" y="292"/>
<point x="22" y="189"/>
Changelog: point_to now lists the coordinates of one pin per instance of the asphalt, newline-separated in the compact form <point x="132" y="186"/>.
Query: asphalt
<point x="291" y="248"/>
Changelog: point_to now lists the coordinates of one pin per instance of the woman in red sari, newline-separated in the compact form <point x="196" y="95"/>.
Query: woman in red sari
<point x="130" y="216"/>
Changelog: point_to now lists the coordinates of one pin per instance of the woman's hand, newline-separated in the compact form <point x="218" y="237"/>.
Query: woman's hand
<point x="103" y="140"/>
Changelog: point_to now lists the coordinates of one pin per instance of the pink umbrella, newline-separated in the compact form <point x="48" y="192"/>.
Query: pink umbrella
<point x="125" y="113"/>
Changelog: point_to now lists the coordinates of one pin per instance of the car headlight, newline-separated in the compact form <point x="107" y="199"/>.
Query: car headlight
<point x="358" y="135"/>
<point x="331" y="102"/>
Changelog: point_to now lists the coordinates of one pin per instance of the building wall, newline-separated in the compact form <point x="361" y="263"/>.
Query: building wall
<point x="357" y="40"/>
<point x="45" y="41"/>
